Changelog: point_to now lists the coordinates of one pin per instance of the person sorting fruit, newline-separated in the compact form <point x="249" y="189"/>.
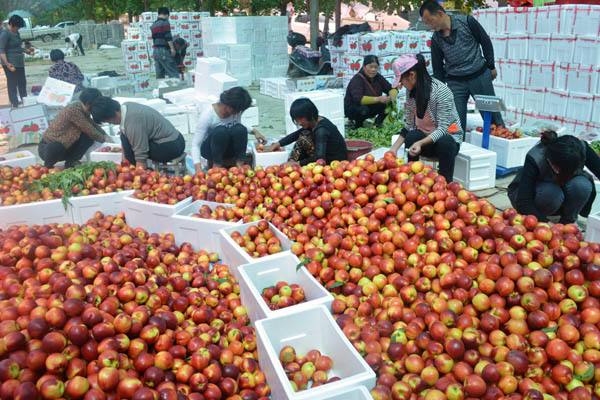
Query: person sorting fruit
<point x="553" y="182"/>
<point x="317" y="139"/>
<point x="220" y="137"/>
<point x="145" y="133"/>
<point x="70" y="135"/>
<point x="369" y="94"/>
<point x="432" y="126"/>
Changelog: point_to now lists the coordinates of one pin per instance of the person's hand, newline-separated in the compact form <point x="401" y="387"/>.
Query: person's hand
<point x="273" y="147"/>
<point x="384" y="99"/>
<point x="11" y="67"/>
<point x="260" y="137"/>
<point x="415" y="149"/>
<point x="198" y="168"/>
<point x="494" y="74"/>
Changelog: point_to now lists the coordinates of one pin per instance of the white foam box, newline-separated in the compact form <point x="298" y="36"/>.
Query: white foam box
<point x="516" y="46"/>
<point x="541" y="74"/>
<point x="282" y="267"/>
<point x="180" y="122"/>
<point x="475" y="167"/>
<point x="539" y="47"/>
<point x="305" y="330"/>
<point x="587" y="50"/>
<point x="592" y="229"/>
<point x="218" y="83"/>
<point x="499" y="41"/>
<point x="510" y="153"/>
<point x="516" y="19"/>
<point x="21" y="158"/>
<point x="106" y="156"/>
<point x="596" y="113"/>
<point x="545" y="19"/>
<point x="533" y="98"/>
<point x="38" y="213"/>
<point x="83" y="208"/>
<point x="206" y="66"/>
<point x="234" y="256"/>
<point x="561" y="47"/>
<point x="153" y="217"/>
<point x="330" y="104"/>
<point x="513" y="96"/>
<point x="555" y="102"/>
<point x="579" y="106"/>
<point x="587" y="19"/>
<point x="200" y="232"/>
<point x="102" y="82"/>
<point x="357" y="393"/>
<point x="581" y="78"/>
<point x="270" y="158"/>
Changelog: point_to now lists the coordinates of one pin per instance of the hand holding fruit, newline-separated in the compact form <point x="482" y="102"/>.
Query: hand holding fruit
<point x="415" y="149"/>
<point x="384" y="99"/>
<point x="273" y="147"/>
<point x="259" y="136"/>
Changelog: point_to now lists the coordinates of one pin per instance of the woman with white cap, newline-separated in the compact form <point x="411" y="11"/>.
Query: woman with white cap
<point x="432" y="126"/>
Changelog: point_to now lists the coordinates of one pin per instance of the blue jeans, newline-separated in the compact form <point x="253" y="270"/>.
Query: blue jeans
<point x="566" y="201"/>
<point x="164" y="63"/>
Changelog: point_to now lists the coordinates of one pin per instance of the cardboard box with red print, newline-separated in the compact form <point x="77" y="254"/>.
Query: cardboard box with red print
<point x="376" y="43"/>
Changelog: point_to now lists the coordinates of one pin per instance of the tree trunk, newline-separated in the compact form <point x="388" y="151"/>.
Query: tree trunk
<point x="314" y="23"/>
<point x="338" y="14"/>
<point x="326" y="25"/>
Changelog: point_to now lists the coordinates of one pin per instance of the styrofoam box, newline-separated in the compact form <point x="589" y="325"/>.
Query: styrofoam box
<point x="83" y="208"/>
<point x="516" y="46"/>
<point x="153" y="217"/>
<point x="516" y="19"/>
<point x="38" y="213"/>
<point x="541" y="75"/>
<point x="561" y="47"/>
<point x="475" y="167"/>
<point x="579" y="106"/>
<point x="200" y="232"/>
<point x="234" y="256"/>
<point x="546" y="19"/>
<point x="330" y="104"/>
<point x="180" y="122"/>
<point x="587" y="50"/>
<point x="555" y="103"/>
<point x="513" y="96"/>
<point x="587" y="19"/>
<point x="308" y="329"/>
<point x="21" y="158"/>
<point x="357" y="393"/>
<point x="539" y="47"/>
<point x="581" y="78"/>
<point x="218" y="83"/>
<point x="596" y="112"/>
<point x="533" y="98"/>
<point x="103" y="156"/>
<point x="281" y="267"/>
<point x="567" y="18"/>
<point x="592" y="229"/>
<point x="510" y="153"/>
<point x="268" y="159"/>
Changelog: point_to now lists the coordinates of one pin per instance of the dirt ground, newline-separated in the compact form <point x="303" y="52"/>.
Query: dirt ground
<point x="271" y="110"/>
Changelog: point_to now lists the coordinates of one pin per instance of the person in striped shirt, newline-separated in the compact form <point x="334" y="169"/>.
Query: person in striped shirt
<point x="432" y="126"/>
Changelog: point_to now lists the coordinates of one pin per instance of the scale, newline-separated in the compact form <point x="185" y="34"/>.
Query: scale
<point x="488" y="105"/>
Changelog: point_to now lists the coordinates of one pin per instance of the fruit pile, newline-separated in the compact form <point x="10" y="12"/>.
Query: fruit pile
<point x="109" y="149"/>
<point x="261" y="148"/>
<point x="105" y="311"/>
<point x="503" y="132"/>
<point x="165" y="189"/>
<point x="283" y="295"/>
<point x="219" y="213"/>
<point x="258" y="241"/>
<point x="305" y="372"/>
<point x="444" y="296"/>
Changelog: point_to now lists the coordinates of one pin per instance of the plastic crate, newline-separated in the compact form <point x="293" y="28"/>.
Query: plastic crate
<point x="83" y="208"/>
<point x="234" y="256"/>
<point x="37" y="213"/>
<point x="153" y="217"/>
<point x="106" y="156"/>
<point x="592" y="230"/>
<point x="270" y="158"/>
<point x="309" y="329"/>
<point x="200" y="232"/>
<point x="281" y="267"/>
<point x="510" y="153"/>
<point x="22" y="158"/>
<point x="475" y="167"/>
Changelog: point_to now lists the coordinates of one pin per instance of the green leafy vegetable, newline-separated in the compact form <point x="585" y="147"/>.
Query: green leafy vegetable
<point x="380" y="137"/>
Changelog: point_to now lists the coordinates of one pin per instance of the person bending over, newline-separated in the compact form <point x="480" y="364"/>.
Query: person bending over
<point x="368" y="94"/>
<point x="432" y="126"/>
<point x="220" y="137"/>
<point x="553" y="182"/>
<point x="145" y="133"/>
<point x="72" y="132"/>
<point x="317" y="139"/>
<point x="65" y="71"/>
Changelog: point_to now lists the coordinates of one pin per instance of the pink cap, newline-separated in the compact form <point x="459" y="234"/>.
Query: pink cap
<point x="403" y="64"/>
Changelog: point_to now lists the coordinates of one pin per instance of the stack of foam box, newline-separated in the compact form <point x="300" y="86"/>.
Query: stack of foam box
<point x="266" y="38"/>
<point x="548" y="62"/>
<point x="211" y="77"/>
<point x="347" y="56"/>
<point x="330" y="104"/>
<point x="137" y="63"/>
<point x="274" y="87"/>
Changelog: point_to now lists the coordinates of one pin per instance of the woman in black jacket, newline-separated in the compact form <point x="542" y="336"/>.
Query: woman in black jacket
<point x="553" y="182"/>
<point x="317" y="139"/>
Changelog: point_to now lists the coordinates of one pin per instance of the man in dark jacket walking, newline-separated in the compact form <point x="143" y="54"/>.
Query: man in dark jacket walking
<point x="462" y="55"/>
<point x="162" y="43"/>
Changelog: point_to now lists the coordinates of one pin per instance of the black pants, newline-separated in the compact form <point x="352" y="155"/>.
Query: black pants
<point x="53" y="152"/>
<point x="360" y="113"/>
<point x="159" y="152"/>
<point x="445" y="150"/>
<point x="16" y="84"/>
<point x="80" y="45"/>
<point x="225" y="145"/>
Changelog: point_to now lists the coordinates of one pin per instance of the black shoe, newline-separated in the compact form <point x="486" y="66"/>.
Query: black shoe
<point x="379" y="120"/>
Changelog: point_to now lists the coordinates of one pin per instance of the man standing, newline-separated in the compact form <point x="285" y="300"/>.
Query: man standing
<point x="76" y="42"/>
<point x="162" y="43"/>
<point x="462" y="55"/>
